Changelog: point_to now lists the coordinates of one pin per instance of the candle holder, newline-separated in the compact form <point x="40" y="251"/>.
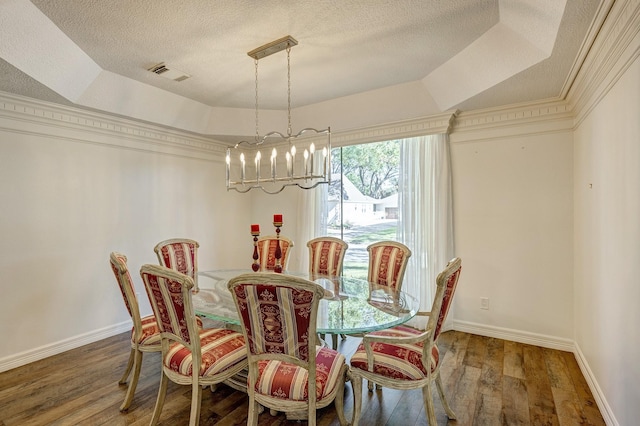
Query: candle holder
<point x="255" y="265"/>
<point x="278" y="254"/>
<point x="255" y="232"/>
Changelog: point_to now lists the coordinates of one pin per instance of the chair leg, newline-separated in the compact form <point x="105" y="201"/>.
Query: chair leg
<point x="428" y="404"/>
<point x="160" y="400"/>
<point x="339" y="402"/>
<point x="356" y="384"/>
<point x="252" y="417"/>
<point x="127" y="370"/>
<point x="137" y="364"/>
<point x="443" y="398"/>
<point x="196" y="398"/>
<point x="311" y="414"/>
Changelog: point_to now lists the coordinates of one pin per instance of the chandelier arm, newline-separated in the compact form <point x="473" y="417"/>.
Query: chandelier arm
<point x="249" y="188"/>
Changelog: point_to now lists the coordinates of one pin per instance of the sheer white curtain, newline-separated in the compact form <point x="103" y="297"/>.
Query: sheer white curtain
<point x="425" y="212"/>
<point x="312" y="211"/>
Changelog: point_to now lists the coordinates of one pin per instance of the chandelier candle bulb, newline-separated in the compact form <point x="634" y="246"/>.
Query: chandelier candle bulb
<point x="273" y="163"/>
<point x="255" y="229"/>
<point x="228" y="164"/>
<point x="242" y="161"/>
<point x="293" y="159"/>
<point x="289" y="169"/>
<point x="312" y="150"/>
<point x="324" y="161"/>
<point x="258" y="157"/>
<point x="306" y="164"/>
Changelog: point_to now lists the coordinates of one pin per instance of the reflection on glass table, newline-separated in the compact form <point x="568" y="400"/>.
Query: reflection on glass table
<point x="350" y="306"/>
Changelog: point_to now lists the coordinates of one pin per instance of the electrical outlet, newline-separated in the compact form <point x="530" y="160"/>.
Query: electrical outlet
<point x="484" y="303"/>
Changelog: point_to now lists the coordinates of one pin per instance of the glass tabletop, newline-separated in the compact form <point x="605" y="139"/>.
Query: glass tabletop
<point x="350" y="305"/>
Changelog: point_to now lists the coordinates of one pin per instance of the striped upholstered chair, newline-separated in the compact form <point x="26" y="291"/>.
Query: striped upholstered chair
<point x="180" y="254"/>
<point x="287" y="371"/>
<point x="326" y="255"/>
<point x="387" y="263"/>
<point x="190" y="356"/>
<point x="405" y="358"/>
<point x="145" y="336"/>
<point x="267" y="252"/>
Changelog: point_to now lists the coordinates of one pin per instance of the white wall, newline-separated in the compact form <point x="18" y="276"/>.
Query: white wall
<point x="607" y="245"/>
<point x="76" y="187"/>
<point x="513" y="231"/>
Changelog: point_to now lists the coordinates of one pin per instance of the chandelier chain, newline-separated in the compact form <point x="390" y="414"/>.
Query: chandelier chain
<point x="257" y="133"/>
<point x="289" y="89"/>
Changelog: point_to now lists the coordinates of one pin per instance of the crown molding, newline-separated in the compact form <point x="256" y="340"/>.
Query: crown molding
<point x="30" y="116"/>
<point x="613" y="52"/>
<point x="430" y="125"/>
<point x="533" y="118"/>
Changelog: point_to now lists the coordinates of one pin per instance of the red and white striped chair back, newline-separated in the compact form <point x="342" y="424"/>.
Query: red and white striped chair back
<point x="170" y="298"/>
<point x="387" y="263"/>
<point x="326" y="255"/>
<point x="446" y="283"/>
<point x="125" y="284"/>
<point x="180" y="254"/>
<point x="267" y="252"/>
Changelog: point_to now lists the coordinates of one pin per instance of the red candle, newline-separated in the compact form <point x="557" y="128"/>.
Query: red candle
<point x="277" y="218"/>
<point x="255" y="229"/>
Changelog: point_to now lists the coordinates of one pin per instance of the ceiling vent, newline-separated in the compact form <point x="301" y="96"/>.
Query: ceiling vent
<point x="171" y="73"/>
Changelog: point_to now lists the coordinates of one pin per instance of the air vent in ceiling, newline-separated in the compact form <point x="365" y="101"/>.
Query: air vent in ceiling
<point x="168" y="72"/>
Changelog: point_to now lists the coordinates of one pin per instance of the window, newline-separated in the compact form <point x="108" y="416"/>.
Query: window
<point x="363" y="199"/>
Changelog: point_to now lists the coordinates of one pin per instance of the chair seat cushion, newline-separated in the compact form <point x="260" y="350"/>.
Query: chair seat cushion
<point x="150" y="335"/>
<point x="286" y="381"/>
<point x="395" y="360"/>
<point x="221" y="349"/>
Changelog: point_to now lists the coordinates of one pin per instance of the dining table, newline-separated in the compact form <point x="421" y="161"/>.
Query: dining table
<point x="350" y="305"/>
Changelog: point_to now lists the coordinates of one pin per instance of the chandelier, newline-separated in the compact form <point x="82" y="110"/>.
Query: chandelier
<point x="274" y="161"/>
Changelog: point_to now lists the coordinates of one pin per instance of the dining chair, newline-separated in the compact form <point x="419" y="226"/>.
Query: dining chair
<point x="190" y="356"/>
<point x="180" y="254"/>
<point x="326" y="255"/>
<point x="387" y="263"/>
<point x="279" y="314"/>
<point x="405" y="358"/>
<point x="145" y="336"/>
<point x="267" y="252"/>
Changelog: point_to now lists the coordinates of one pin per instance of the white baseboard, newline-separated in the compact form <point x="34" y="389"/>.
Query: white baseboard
<point x="601" y="401"/>
<point x="519" y="336"/>
<point x="23" y="358"/>
<point x="550" y="342"/>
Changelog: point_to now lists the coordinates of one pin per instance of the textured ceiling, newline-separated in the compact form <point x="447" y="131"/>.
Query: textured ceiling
<point x="468" y="54"/>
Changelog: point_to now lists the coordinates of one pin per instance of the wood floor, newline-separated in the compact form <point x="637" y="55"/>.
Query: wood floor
<point x="488" y="382"/>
